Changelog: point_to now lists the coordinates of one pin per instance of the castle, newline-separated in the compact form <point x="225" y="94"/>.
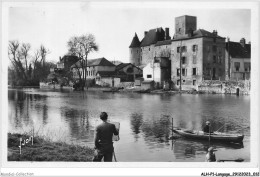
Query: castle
<point x="192" y="54"/>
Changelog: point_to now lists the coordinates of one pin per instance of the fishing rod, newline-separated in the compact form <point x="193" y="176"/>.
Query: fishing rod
<point x="220" y="127"/>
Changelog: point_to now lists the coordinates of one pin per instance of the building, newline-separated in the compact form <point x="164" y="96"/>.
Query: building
<point x="143" y="53"/>
<point x="93" y="67"/>
<point x="159" y="71"/>
<point x="128" y="72"/>
<point x="64" y="64"/>
<point x="194" y="54"/>
<point x="197" y="54"/>
<point x="238" y="60"/>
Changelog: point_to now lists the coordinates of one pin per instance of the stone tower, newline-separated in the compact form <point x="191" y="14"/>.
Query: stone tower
<point x="184" y="25"/>
<point x="135" y="51"/>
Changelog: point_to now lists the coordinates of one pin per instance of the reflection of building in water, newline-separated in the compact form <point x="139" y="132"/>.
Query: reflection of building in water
<point x="157" y="130"/>
<point x="184" y="149"/>
<point x="78" y="121"/>
<point x="136" y="122"/>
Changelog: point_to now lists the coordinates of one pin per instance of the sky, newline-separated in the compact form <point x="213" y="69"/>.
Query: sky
<point x="114" y="25"/>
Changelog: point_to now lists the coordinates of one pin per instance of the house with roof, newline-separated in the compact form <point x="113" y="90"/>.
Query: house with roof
<point x="128" y="72"/>
<point x="64" y="64"/>
<point x="99" y="70"/>
<point x="238" y="60"/>
<point x="194" y="54"/>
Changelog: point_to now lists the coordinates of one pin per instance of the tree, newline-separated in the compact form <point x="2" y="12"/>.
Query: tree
<point x="22" y="72"/>
<point x="24" y="52"/>
<point x="81" y="46"/>
<point x="15" y="56"/>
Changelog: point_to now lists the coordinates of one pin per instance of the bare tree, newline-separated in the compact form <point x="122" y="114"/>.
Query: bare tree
<point x="43" y="52"/>
<point x="24" y="52"/>
<point x="81" y="46"/>
<point x="35" y="60"/>
<point x="15" y="56"/>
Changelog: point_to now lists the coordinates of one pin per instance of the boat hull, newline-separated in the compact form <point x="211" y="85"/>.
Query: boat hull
<point x="215" y="136"/>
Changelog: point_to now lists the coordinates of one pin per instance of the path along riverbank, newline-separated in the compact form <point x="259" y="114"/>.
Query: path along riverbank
<point x="46" y="150"/>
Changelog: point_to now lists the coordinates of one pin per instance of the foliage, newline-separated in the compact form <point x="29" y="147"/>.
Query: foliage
<point x="27" y="69"/>
<point x="81" y="46"/>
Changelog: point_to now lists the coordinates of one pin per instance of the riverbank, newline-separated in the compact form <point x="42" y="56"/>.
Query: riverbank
<point x="45" y="150"/>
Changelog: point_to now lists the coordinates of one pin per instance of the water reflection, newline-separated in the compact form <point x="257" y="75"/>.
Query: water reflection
<point x="157" y="130"/>
<point x="79" y="124"/>
<point x="136" y="120"/>
<point x="145" y="120"/>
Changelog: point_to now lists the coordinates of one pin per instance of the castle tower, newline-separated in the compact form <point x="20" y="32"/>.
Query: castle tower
<point x="135" y="51"/>
<point x="184" y="25"/>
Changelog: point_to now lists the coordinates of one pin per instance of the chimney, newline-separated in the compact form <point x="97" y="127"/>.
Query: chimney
<point x="60" y="58"/>
<point x="167" y="36"/>
<point x="215" y="33"/>
<point x="145" y="33"/>
<point x="243" y="42"/>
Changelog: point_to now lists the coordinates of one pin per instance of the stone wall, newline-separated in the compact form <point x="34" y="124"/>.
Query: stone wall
<point x="135" y="55"/>
<point x="189" y="78"/>
<point x="226" y="87"/>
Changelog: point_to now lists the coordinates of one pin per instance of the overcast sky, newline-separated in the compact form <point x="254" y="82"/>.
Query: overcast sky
<point x="113" y="25"/>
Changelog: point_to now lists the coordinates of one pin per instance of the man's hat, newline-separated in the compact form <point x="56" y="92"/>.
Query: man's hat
<point x="207" y="122"/>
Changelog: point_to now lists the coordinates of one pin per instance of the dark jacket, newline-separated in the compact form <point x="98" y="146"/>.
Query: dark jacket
<point x="104" y="135"/>
<point x="206" y="129"/>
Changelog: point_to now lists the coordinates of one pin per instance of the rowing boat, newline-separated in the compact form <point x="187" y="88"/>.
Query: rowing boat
<point x="215" y="136"/>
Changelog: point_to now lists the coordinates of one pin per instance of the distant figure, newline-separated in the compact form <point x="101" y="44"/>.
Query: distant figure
<point x="210" y="157"/>
<point x="206" y="129"/>
<point x="103" y="140"/>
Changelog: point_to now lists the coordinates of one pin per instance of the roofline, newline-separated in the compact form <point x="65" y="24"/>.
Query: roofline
<point x="182" y="39"/>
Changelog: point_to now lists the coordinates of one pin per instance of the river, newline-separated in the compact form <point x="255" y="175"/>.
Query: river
<point x="145" y="121"/>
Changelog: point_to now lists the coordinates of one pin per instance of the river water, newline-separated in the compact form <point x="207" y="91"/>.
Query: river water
<point x="145" y="121"/>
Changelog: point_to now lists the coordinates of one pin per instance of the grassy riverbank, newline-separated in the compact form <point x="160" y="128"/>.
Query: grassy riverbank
<point x="44" y="150"/>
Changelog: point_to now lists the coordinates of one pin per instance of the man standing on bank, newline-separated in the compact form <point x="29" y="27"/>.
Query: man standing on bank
<point x="103" y="140"/>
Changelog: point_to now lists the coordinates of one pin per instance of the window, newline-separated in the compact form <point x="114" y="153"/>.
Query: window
<point x="149" y="48"/>
<point x="214" y="59"/>
<point x="194" y="59"/>
<point x="194" y="71"/>
<point x="149" y="76"/>
<point x="183" y="60"/>
<point x="178" y="82"/>
<point x="137" y="51"/>
<point x="184" y="49"/>
<point x="247" y="66"/>
<point x="195" y="48"/>
<point x="178" y="72"/>
<point x="214" y="48"/>
<point x="214" y="40"/>
<point x="194" y="82"/>
<point x="179" y="29"/>
<point x="178" y="49"/>
<point x="219" y="59"/>
<point x="237" y="66"/>
<point x="184" y="72"/>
